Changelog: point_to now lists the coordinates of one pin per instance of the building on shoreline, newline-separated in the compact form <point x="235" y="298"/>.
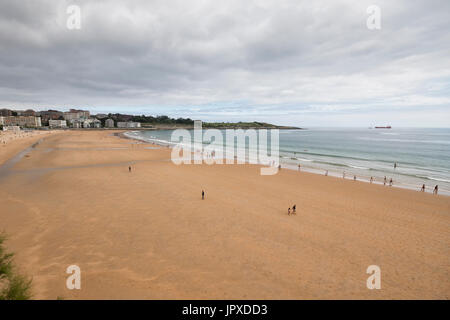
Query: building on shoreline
<point x="75" y="114"/>
<point x="57" y="124"/>
<point x="75" y="123"/>
<point x="92" y="123"/>
<point x="84" y="123"/>
<point x="109" y="123"/>
<point x="128" y="124"/>
<point x="22" y="121"/>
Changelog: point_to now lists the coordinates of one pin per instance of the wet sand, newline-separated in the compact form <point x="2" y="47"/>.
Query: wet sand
<point x="148" y="235"/>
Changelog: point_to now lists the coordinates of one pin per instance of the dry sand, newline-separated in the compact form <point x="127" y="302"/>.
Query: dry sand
<point x="148" y="235"/>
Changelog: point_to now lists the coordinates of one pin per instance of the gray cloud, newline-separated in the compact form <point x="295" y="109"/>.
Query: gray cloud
<point x="296" y="62"/>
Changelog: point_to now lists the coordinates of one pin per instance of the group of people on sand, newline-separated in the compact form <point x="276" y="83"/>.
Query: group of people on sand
<point x="293" y="211"/>
<point x="422" y="189"/>
<point x="435" y="190"/>
<point x="294" y="207"/>
<point x="290" y="211"/>
<point x="391" y="181"/>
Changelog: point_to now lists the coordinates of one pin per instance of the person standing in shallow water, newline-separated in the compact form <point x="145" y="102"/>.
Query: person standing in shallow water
<point x="390" y="182"/>
<point x="289" y="211"/>
<point x="385" y="180"/>
<point x="423" y="188"/>
<point x="435" y="191"/>
<point x="203" y="195"/>
<point x="395" y="165"/>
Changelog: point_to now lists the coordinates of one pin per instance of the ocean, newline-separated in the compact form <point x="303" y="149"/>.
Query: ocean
<point x="422" y="155"/>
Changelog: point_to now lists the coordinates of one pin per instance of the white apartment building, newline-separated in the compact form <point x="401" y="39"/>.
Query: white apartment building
<point x="22" y="121"/>
<point x="74" y="114"/>
<point x="57" y="123"/>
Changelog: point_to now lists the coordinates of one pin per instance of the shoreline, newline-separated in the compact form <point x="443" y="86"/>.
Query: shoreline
<point x="305" y="168"/>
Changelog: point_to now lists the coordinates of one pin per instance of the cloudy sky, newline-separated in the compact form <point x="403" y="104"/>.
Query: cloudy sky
<point x="306" y="63"/>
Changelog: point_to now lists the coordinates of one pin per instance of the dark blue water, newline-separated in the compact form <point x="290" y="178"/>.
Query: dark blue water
<point x="422" y="155"/>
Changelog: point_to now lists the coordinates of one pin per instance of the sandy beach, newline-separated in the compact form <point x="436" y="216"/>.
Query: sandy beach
<point x="148" y="235"/>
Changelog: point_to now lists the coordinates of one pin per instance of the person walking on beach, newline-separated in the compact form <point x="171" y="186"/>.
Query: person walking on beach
<point x="299" y="167"/>
<point x="289" y="211"/>
<point x="423" y="188"/>
<point x="354" y="178"/>
<point x="371" y="179"/>
<point x="385" y="180"/>
<point x="203" y="195"/>
<point x="293" y="208"/>
<point x="390" y="182"/>
<point x="326" y="173"/>
<point x="435" y="191"/>
<point x="129" y="169"/>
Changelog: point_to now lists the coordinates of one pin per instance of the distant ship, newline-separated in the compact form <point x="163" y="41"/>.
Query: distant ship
<point x="387" y="127"/>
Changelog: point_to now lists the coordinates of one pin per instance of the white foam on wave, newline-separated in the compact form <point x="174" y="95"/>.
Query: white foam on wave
<point x="357" y="167"/>
<point x="438" y="179"/>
